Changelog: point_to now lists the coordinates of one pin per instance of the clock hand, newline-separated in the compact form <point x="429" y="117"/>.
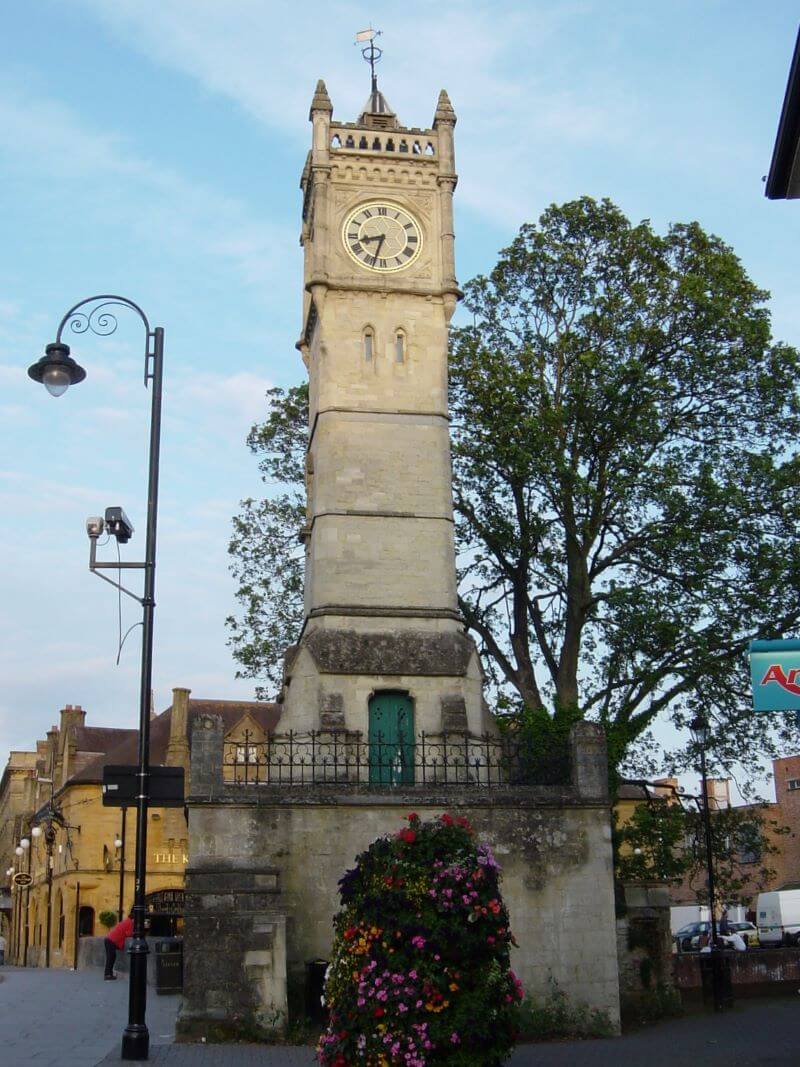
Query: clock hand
<point x="380" y="245"/>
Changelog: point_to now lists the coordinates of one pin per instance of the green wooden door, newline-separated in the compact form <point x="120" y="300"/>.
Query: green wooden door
<point x="391" y="739"/>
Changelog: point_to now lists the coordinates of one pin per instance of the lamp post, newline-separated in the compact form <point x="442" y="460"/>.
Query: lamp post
<point x="25" y="843"/>
<point x="56" y="370"/>
<point x="19" y="852"/>
<point x="49" y="842"/>
<point x="701" y="734"/>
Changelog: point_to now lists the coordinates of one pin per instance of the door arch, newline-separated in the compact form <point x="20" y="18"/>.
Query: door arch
<point x="391" y="739"/>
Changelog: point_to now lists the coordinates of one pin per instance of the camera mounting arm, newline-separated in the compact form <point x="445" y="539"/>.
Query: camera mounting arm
<point x="95" y="566"/>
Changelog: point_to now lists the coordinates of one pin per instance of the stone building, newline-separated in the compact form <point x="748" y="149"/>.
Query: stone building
<point x="59" y="794"/>
<point x="383" y="709"/>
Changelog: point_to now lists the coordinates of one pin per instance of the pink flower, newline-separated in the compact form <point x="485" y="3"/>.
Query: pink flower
<point x="455" y="1038"/>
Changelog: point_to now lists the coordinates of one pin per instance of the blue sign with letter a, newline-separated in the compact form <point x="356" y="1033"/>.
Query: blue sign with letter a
<point x="775" y="674"/>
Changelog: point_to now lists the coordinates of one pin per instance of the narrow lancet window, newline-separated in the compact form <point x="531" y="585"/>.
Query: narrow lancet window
<point x="369" y="339"/>
<point x="399" y="347"/>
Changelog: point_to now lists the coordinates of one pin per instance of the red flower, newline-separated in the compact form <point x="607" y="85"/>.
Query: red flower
<point x="413" y="817"/>
<point x="379" y="1012"/>
<point x="408" y="836"/>
<point x="464" y="824"/>
<point x="446" y="819"/>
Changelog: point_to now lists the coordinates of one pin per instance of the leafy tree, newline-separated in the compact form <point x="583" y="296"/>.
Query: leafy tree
<point x="624" y="483"/>
<point x="664" y="840"/>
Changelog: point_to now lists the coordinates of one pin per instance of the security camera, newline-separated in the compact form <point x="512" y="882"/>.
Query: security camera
<point x="119" y="525"/>
<point x="94" y="526"/>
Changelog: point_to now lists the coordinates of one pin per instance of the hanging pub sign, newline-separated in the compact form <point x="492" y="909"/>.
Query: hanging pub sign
<point x="775" y="674"/>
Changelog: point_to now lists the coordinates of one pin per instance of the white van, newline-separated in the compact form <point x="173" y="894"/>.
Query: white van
<point x="778" y="916"/>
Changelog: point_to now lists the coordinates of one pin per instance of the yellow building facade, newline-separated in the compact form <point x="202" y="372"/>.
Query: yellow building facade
<point x="79" y="854"/>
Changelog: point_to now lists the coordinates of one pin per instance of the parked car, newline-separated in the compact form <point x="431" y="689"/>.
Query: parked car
<point x="687" y="939"/>
<point x="693" y="936"/>
<point x="748" y="931"/>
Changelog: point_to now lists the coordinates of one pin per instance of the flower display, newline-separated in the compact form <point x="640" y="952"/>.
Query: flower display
<point x="420" y="971"/>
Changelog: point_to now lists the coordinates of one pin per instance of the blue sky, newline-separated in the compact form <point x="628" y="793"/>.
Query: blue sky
<point x="153" y="148"/>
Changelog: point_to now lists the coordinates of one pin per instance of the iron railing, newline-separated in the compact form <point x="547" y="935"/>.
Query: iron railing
<point x="327" y="757"/>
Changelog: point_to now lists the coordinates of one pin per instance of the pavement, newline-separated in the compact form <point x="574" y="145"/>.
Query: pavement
<point x="75" y="1019"/>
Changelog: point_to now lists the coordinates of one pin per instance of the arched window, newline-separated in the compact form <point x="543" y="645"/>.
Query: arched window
<point x="404" y="146"/>
<point x="369" y="344"/>
<point x="390" y="145"/>
<point x="416" y="150"/>
<point x="336" y="141"/>
<point x="349" y="143"/>
<point x="399" y="347"/>
<point x="376" y="144"/>
<point x="429" y="149"/>
<point x="363" y="143"/>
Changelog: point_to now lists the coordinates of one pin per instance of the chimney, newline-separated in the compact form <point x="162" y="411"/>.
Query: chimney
<point x="72" y="716"/>
<point x="719" y="794"/>
<point x="178" y="747"/>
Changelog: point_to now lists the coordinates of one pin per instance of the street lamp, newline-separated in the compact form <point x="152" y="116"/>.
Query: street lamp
<point x="701" y="735"/>
<point x="57" y="370"/>
<point x="119" y="845"/>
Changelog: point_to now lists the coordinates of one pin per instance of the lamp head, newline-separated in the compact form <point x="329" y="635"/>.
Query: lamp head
<point x="18" y="850"/>
<point x="117" y="842"/>
<point x="701" y="730"/>
<point x="36" y="831"/>
<point x="26" y="843"/>
<point x="56" y="370"/>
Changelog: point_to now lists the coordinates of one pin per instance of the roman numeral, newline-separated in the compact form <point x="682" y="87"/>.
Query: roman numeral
<point x="396" y="215"/>
<point x="408" y="252"/>
<point x="367" y="213"/>
<point x="382" y="211"/>
<point x="381" y="262"/>
<point x="408" y="225"/>
<point x="412" y="239"/>
<point x="358" y="248"/>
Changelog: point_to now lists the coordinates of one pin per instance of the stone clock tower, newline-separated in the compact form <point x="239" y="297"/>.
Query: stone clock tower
<point x="382" y="644"/>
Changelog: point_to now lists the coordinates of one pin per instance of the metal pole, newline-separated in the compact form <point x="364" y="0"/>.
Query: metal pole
<point x="716" y="974"/>
<point x="122" y="866"/>
<point x="49" y="835"/>
<point x="136" y="1039"/>
<point x="27" y="905"/>
<point x="77" y="925"/>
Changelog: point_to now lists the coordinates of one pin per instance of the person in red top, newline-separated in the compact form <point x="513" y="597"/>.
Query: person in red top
<point x="114" y="942"/>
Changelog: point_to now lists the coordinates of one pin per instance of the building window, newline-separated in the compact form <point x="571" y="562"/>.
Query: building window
<point x="399" y="347"/>
<point x="369" y="344"/>
<point x="246" y="754"/>
<point x="793" y="783"/>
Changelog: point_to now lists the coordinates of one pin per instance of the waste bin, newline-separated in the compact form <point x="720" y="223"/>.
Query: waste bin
<point x="169" y="965"/>
<point x="315" y="987"/>
<point x="717" y="988"/>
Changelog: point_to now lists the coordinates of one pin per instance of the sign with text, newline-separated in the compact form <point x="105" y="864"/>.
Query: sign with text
<point x="22" y="880"/>
<point x="120" y="786"/>
<point x="775" y="675"/>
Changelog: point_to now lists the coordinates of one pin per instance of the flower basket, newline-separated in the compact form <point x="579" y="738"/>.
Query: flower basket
<point x="420" y="969"/>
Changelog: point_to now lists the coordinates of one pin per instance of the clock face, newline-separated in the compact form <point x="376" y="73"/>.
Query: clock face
<point x="382" y="237"/>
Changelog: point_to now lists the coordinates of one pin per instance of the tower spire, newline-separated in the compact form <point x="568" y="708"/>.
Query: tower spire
<point x="370" y="52"/>
<point x="377" y="112"/>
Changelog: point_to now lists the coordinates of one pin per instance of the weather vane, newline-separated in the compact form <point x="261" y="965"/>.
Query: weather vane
<point x="371" y="52"/>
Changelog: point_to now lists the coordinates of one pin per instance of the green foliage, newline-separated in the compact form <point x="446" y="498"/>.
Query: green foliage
<point x="420" y="970"/>
<point x="624" y="473"/>
<point x="266" y="551"/>
<point x="108" y="919"/>
<point x="660" y="1002"/>
<point x="553" y="1016"/>
<point x="664" y="841"/>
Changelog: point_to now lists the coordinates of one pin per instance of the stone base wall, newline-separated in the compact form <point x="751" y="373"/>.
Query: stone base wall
<point x="644" y="946"/>
<point x="265" y="861"/>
